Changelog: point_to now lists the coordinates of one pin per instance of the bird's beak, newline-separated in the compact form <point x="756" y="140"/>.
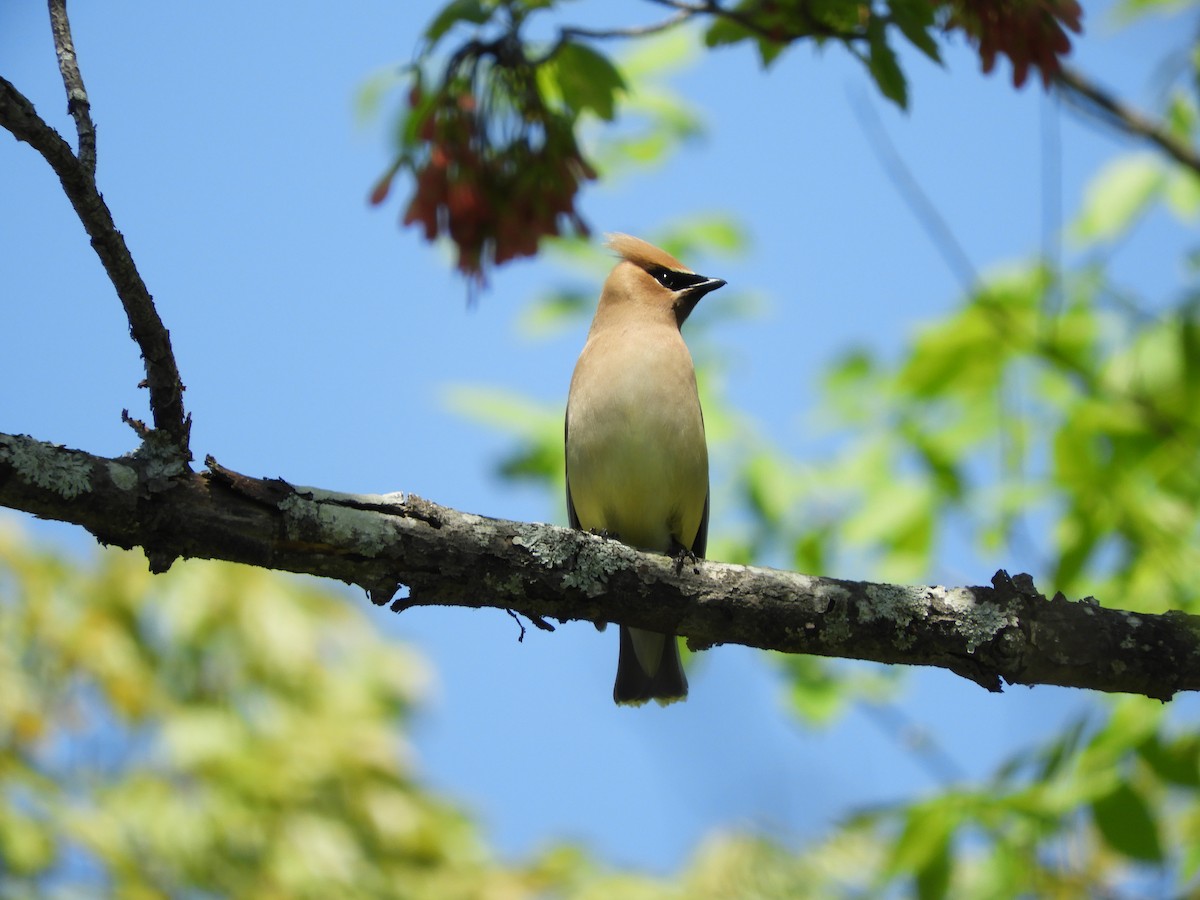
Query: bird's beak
<point x="688" y="299"/>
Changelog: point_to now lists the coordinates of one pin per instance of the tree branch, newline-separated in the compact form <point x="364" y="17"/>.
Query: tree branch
<point x="77" y="99"/>
<point x="570" y="33"/>
<point x="632" y="31"/>
<point x="1007" y="632"/>
<point x="1095" y="100"/>
<point x="18" y="116"/>
<point x="779" y="33"/>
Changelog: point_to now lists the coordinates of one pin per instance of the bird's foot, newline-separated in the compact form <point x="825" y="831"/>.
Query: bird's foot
<point x="681" y="555"/>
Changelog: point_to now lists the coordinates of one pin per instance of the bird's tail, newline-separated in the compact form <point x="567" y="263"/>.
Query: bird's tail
<point x="649" y="669"/>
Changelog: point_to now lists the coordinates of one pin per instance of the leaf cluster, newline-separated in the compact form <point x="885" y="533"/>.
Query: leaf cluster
<point x="216" y="731"/>
<point x="490" y="141"/>
<point x="489" y="132"/>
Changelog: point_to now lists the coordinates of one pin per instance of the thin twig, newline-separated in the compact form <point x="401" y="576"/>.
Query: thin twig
<point x="810" y="27"/>
<point x="927" y="214"/>
<point x="925" y="749"/>
<point x="516" y="618"/>
<point x="1095" y="100"/>
<point x="138" y="426"/>
<point x="77" y="98"/>
<point x="633" y="31"/>
<point x="18" y="116"/>
<point x="566" y="35"/>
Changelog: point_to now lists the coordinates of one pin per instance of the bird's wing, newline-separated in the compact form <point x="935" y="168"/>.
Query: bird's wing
<point x="700" y="544"/>
<point x="572" y="516"/>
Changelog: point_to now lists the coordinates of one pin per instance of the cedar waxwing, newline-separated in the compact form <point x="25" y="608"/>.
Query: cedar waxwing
<point x="637" y="463"/>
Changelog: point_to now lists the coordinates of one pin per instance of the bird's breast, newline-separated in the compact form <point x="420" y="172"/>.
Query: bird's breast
<point x="636" y="455"/>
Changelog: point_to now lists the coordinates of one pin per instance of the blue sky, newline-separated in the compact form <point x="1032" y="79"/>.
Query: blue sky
<point x="317" y="341"/>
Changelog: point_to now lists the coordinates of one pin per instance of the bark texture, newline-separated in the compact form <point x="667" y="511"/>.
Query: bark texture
<point x="410" y="552"/>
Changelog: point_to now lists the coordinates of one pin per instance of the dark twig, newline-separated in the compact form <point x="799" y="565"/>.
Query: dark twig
<point x="516" y="618"/>
<point x="77" y="98"/>
<point x="931" y="220"/>
<point x="566" y="35"/>
<point x="19" y="117"/>
<point x="809" y="27"/>
<point x="138" y="426"/>
<point x="632" y="31"/>
<point x="1095" y="100"/>
<point x="925" y="749"/>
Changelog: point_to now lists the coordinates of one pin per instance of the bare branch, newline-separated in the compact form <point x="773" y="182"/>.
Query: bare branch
<point x="18" y="116"/>
<point x="633" y="31"/>
<point x="566" y="35"/>
<point x="932" y="222"/>
<point x="1006" y="632"/>
<point x="77" y="99"/>
<point x="1093" y="99"/>
<point x="778" y="34"/>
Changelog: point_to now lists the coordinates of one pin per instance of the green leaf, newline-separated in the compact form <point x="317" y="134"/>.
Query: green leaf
<point x="1181" y="116"/>
<point x="926" y="836"/>
<point x="1129" y="11"/>
<point x="1075" y="534"/>
<point x="817" y="694"/>
<point x="588" y="80"/>
<point x="723" y="32"/>
<point x="1060" y="752"/>
<point x="671" y="116"/>
<point x="933" y="878"/>
<point x="1176" y="763"/>
<point x="769" y="488"/>
<point x="915" y="19"/>
<point x="699" y="235"/>
<point x="557" y="312"/>
<point x="537" y="461"/>
<point x="769" y="50"/>
<point x="850" y="369"/>
<point x="1124" y="819"/>
<point x="507" y="410"/>
<point x="883" y="66"/>
<point x="26" y="845"/>
<point x="659" y="55"/>
<point x="1182" y="193"/>
<point x="899" y="518"/>
<point x="368" y="101"/>
<point x="942" y="464"/>
<point x="410" y="124"/>
<point x="456" y="11"/>
<point x="1117" y="196"/>
<point x="811" y="551"/>
<point x="1189" y="351"/>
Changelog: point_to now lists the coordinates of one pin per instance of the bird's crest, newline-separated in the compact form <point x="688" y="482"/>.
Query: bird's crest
<point x="643" y="253"/>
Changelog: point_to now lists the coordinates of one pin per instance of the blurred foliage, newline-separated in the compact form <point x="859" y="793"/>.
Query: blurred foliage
<point x="489" y="127"/>
<point x="222" y="731"/>
<point x="1050" y="421"/>
<point x="217" y="731"/>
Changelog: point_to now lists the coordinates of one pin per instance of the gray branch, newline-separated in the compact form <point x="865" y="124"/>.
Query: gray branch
<point x="435" y="556"/>
<point x="1093" y="99"/>
<point x="78" y="104"/>
<point x="21" y="119"/>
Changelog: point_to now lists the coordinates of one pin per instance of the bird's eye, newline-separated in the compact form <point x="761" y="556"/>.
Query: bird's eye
<point x="673" y="280"/>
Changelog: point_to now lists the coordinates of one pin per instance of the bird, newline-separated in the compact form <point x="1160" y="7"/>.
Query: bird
<point x="636" y="455"/>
